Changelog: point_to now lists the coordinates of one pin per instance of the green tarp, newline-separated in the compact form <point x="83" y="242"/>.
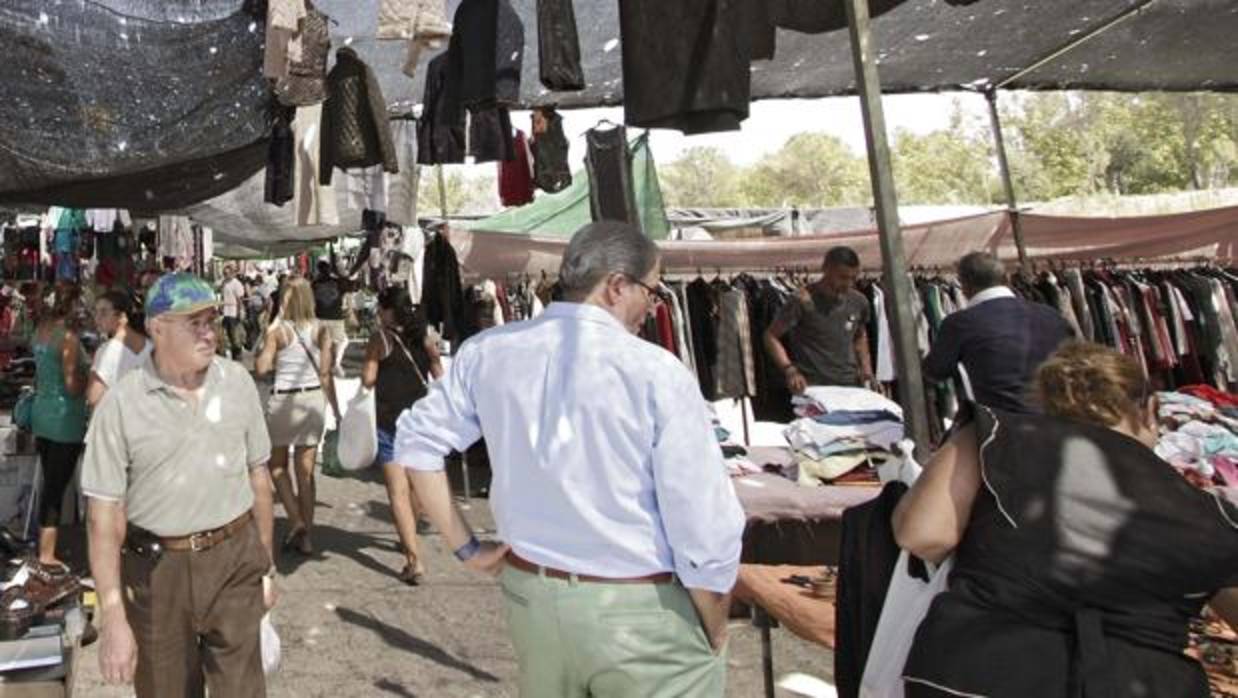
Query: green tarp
<point x="562" y="214"/>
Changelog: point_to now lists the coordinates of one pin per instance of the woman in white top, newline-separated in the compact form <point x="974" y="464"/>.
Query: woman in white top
<point x="126" y="348"/>
<point x="297" y="412"/>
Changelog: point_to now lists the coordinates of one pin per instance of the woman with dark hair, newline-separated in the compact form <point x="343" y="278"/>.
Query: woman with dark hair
<point x="400" y="362"/>
<point x="1080" y="557"/>
<point x="126" y="348"/>
<point x="59" y="411"/>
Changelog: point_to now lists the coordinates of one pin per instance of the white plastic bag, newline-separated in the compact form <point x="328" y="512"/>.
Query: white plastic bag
<point x="907" y="602"/>
<point x="358" y="444"/>
<point x="270" y="646"/>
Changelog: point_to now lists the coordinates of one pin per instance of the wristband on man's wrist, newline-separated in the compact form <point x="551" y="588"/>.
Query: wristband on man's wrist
<point x="469" y="550"/>
<point x="790" y="368"/>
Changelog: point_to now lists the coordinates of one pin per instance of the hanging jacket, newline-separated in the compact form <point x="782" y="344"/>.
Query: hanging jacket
<point x="440" y="131"/>
<point x="686" y="64"/>
<point x="550" y="169"/>
<point x="355" y="128"/>
<point x="558" y="46"/>
<point x="486" y="55"/>
<point x="443" y="293"/>
<point x="280" y="157"/>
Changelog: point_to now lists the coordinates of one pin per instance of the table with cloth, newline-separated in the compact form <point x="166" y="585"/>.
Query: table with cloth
<point x="788" y="523"/>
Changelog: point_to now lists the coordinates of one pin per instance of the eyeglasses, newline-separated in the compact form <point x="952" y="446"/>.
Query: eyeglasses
<point x="653" y="292"/>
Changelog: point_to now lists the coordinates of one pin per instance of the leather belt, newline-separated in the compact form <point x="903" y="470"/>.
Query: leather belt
<point x="205" y="540"/>
<point x="524" y="565"/>
<point x="293" y="391"/>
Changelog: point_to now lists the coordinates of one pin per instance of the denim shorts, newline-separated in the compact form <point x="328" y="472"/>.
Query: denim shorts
<point x="386" y="447"/>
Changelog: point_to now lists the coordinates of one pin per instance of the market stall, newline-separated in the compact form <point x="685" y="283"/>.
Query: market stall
<point x="189" y="139"/>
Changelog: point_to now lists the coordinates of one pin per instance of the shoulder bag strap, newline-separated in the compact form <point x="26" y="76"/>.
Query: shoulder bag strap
<point x="411" y="360"/>
<point x="310" y="354"/>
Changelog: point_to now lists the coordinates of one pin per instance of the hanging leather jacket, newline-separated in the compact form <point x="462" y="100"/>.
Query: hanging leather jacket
<point x="356" y="131"/>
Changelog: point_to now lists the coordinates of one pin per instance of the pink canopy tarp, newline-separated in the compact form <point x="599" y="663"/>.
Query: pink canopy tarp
<point x="1212" y="234"/>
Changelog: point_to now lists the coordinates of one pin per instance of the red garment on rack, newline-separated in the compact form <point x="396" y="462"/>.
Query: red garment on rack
<point x="516" y="176"/>
<point x="666" y="329"/>
<point x="505" y="305"/>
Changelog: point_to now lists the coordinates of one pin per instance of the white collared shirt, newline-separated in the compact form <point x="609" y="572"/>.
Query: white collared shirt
<point x="603" y="455"/>
<point x="990" y="294"/>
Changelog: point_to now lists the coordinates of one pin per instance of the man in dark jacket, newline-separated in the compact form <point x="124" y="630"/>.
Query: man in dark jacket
<point x="999" y="339"/>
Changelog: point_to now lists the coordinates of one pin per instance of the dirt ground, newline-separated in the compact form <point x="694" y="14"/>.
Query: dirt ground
<point x="350" y="628"/>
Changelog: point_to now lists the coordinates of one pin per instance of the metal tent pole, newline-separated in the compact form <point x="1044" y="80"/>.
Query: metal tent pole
<point x="898" y="283"/>
<point x="1007" y="181"/>
<point x="442" y="194"/>
<point x="464" y="457"/>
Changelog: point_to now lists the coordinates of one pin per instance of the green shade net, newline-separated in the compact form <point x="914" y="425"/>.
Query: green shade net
<point x="562" y="214"/>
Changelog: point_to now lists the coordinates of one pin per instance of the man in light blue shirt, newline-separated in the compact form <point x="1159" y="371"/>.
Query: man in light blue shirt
<point x="622" y="528"/>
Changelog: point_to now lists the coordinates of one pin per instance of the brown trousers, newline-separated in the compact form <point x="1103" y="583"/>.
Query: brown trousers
<point x="195" y="617"/>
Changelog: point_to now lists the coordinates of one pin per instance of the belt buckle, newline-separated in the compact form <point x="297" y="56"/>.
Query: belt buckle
<point x="196" y="546"/>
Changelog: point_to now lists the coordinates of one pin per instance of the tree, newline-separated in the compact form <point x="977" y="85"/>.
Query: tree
<point x="1080" y="144"/>
<point x="1052" y="153"/>
<point x="702" y="176"/>
<point x="812" y="170"/>
<point x="955" y="166"/>
<point x="475" y="194"/>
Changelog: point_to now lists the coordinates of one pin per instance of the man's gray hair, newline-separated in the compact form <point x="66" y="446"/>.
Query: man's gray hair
<point x="981" y="270"/>
<point x="602" y="248"/>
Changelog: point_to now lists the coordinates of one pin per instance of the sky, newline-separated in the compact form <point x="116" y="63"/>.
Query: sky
<point x="771" y="122"/>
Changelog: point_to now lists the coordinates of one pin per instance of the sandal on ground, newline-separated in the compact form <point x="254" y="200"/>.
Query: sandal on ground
<point x="413" y="575"/>
<point x="17" y="612"/>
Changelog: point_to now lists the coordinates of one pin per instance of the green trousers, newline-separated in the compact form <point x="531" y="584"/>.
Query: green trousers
<point x="588" y="640"/>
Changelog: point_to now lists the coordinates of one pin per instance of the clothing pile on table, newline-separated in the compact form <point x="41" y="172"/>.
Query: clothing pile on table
<point x="1199" y="435"/>
<point x="1215" y="645"/>
<point x="843" y="435"/>
<point x="735" y="456"/>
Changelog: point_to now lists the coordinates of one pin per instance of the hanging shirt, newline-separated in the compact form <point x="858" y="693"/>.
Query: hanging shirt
<point x="884" y="368"/>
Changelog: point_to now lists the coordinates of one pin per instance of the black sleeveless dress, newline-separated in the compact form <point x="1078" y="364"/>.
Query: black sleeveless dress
<point x="400" y="382"/>
<point x="1083" y="562"/>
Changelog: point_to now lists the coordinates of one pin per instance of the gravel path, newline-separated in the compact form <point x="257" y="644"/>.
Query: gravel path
<point x="350" y="628"/>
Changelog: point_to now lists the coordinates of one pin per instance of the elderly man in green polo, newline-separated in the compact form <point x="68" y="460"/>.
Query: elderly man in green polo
<point x="173" y="472"/>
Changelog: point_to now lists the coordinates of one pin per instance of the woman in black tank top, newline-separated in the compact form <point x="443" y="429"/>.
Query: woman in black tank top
<point x="400" y="362"/>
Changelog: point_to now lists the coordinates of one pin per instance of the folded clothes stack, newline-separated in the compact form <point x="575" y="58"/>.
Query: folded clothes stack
<point x="1199" y="436"/>
<point x="843" y="434"/>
